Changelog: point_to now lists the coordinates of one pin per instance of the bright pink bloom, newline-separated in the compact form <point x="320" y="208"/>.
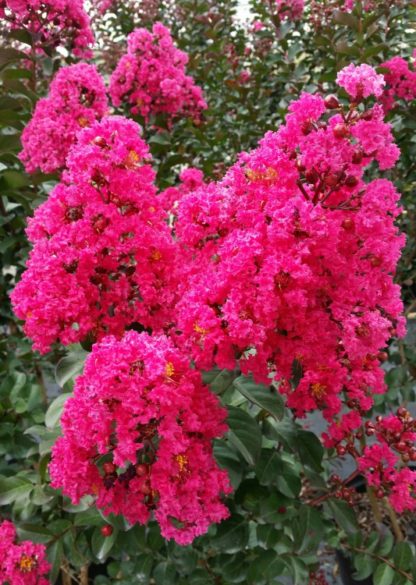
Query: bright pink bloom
<point x="294" y="251"/>
<point x="53" y="22"/>
<point x="151" y="77"/>
<point x="137" y="435"/>
<point x="361" y="81"/>
<point x="401" y="82"/>
<point x="290" y="9"/>
<point x="21" y="563"/>
<point x="77" y="97"/>
<point x="103" y="254"/>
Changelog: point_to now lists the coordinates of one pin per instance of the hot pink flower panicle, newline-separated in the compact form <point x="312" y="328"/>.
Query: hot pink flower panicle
<point x="102" y="251"/>
<point x="151" y="77"/>
<point x="401" y="82"/>
<point x="290" y="9"/>
<point x="77" y="98"/>
<point x="51" y="23"/>
<point x="290" y="258"/>
<point x="137" y="435"/>
<point x="21" y="563"/>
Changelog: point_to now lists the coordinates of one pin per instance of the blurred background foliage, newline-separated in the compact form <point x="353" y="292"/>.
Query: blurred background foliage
<point x="249" y="74"/>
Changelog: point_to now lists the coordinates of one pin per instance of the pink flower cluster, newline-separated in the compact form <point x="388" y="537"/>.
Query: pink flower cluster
<point x="283" y="268"/>
<point x="289" y="258"/>
<point x="102" y="251"/>
<point x="361" y="82"/>
<point x="21" y="563"/>
<point x="137" y="434"/>
<point x="51" y="23"/>
<point x="290" y="9"/>
<point x="151" y="77"/>
<point x="401" y="82"/>
<point x="382" y="463"/>
<point x="77" y="98"/>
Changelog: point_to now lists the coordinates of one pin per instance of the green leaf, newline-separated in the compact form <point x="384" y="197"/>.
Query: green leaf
<point x="288" y="481"/>
<point x="143" y="568"/>
<point x="310" y="449"/>
<point x="364" y="566"/>
<point x="308" y="530"/>
<point x="34" y="532"/>
<point x="101" y="545"/>
<point x="14" y="488"/>
<point x="266" y="564"/>
<point x="164" y="574"/>
<point x="55" y="556"/>
<point x="244" y="434"/>
<point x="344" y="516"/>
<point x="267" y="397"/>
<point x="297" y="373"/>
<point x="70" y="366"/>
<point x="232" y="535"/>
<point x="268" y="467"/>
<point x="218" y="380"/>
<point x="228" y="458"/>
<point x="9" y="55"/>
<point x="403" y="556"/>
<point x="53" y="414"/>
<point x="383" y="575"/>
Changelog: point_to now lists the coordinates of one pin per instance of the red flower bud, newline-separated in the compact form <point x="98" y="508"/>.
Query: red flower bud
<point x="107" y="530"/>
<point x="109" y="468"/>
<point x="341" y="130"/>
<point x="331" y="102"/>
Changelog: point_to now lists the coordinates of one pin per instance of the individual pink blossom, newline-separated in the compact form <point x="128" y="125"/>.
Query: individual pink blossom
<point x="257" y="25"/>
<point x="137" y="436"/>
<point x="361" y="81"/>
<point x="103" y="254"/>
<point x="151" y="78"/>
<point x="51" y="22"/>
<point x="21" y="563"/>
<point x="77" y="97"/>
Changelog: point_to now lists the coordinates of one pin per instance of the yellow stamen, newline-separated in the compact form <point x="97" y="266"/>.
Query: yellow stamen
<point x="318" y="391"/>
<point x="155" y="255"/>
<point x="199" y="329"/>
<point x="83" y="122"/>
<point x="182" y="461"/>
<point x="27" y="563"/>
<point x="269" y="175"/>
<point x="132" y="160"/>
<point x="169" y="370"/>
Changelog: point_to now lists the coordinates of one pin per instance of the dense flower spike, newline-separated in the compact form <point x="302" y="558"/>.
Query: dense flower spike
<point x="401" y="82"/>
<point x="151" y="77"/>
<point x="51" y="23"/>
<point x="102" y="250"/>
<point x="290" y="257"/>
<point x="21" y="563"/>
<point x="290" y="9"/>
<point x="76" y="99"/>
<point x="137" y="436"/>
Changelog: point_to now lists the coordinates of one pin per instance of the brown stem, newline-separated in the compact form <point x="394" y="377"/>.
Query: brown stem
<point x="408" y="576"/>
<point x="301" y="187"/>
<point x="83" y="575"/>
<point x="65" y="573"/>
<point x="395" y="524"/>
<point x="374" y="503"/>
